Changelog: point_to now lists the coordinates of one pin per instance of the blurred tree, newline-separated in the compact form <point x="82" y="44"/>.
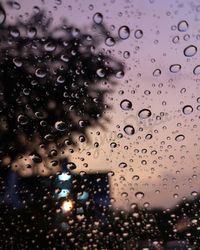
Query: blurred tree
<point x="53" y="83"/>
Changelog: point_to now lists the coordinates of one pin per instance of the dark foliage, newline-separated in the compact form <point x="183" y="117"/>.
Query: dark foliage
<point x="53" y="82"/>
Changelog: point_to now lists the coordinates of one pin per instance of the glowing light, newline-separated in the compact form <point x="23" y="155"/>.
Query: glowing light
<point x="64" y="177"/>
<point x="67" y="206"/>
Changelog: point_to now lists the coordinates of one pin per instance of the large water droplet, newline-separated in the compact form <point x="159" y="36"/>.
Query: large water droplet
<point x="60" y="126"/>
<point x="124" y="32"/>
<point x="174" y="68"/>
<point x="71" y="166"/>
<point x="98" y="18"/>
<point x="188" y="109"/>
<point x="196" y="70"/>
<point x="110" y="41"/>
<point x="180" y="138"/>
<point x="183" y="26"/>
<point x="32" y="32"/>
<point x="144" y="113"/>
<point x="139" y="195"/>
<point x="126" y="104"/>
<point x="22" y="119"/>
<point x="40" y="73"/>
<point x="157" y="72"/>
<point x="49" y="47"/>
<point x="138" y="34"/>
<point x="190" y="50"/>
<point x="100" y="72"/>
<point x="129" y="130"/>
<point x="122" y="165"/>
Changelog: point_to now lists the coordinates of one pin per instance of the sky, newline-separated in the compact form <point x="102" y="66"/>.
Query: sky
<point x="158" y="164"/>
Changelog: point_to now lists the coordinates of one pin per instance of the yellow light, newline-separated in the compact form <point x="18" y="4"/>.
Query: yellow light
<point x="67" y="206"/>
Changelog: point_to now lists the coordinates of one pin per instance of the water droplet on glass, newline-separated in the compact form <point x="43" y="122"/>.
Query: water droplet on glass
<point x="175" y="39"/>
<point x="135" y="178"/>
<point x="60" y="126"/>
<point x="126" y="54"/>
<point x="190" y="50"/>
<point x="180" y="138"/>
<point x="122" y="165"/>
<point x="188" y="109"/>
<point x="49" y="47"/>
<point x="120" y="74"/>
<point x="194" y="193"/>
<point x="129" y="130"/>
<point x="175" y="68"/>
<point x="17" y="62"/>
<point x="71" y="166"/>
<point x="196" y="70"/>
<point x="2" y="16"/>
<point x="138" y="34"/>
<point x="110" y="41"/>
<point x="144" y="113"/>
<point x="157" y="72"/>
<point x="139" y="195"/>
<point x="32" y="32"/>
<point x="113" y="144"/>
<point x="40" y="73"/>
<point x="124" y="32"/>
<point x="22" y="119"/>
<point x="98" y="18"/>
<point x="183" y="26"/>
<point x="126" y="104"/>
<point x="100" y="72"/>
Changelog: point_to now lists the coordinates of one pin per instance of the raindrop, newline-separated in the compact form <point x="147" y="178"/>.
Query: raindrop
<point x="175" y="39"/>
<point x="71" y="166"/>
<point x="183" y="26"/>
<point x="2" y="16"/>
<point x="180" y="138"/>
<point x="124" y="32"/>
<point x="16" y="5"/>
<point x="98" y="18"/>
<point x="122" y="165"/>
<point x="189" y="51"/>
<point x="49" y="47"/>
<point x="129" y="130"/>
<point x="22" y="119"/>
<point x="138" y="34"/>
<point x="187" y="110"/>
<point x="40" y="73"/>
<point x="148" y="136"/>
<point x="32" y="32"/>
<point x="144" y="113"/>
<point x="126" y="54"/>
<point x="110" y="41"/>
<point x="157" y="72"/>
<point x="126" y="104"/>
<point x="120" y="74"/>
<point x="139" y="195"/>
<point x="100" y="72"/>
<point x="196" y="70"/>
<point x="194" y="193"/>
<point x="175" y="68"/>
<point x="17" y="62"/>
<point x="135" y="178"/>
<point x="113" y="145"/>
<point x="60" y="126"/>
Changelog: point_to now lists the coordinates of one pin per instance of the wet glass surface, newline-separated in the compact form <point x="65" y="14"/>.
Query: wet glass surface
<point x="99" y="124"/>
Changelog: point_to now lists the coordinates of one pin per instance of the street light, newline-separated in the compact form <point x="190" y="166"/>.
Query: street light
<point x="67" y="206"/>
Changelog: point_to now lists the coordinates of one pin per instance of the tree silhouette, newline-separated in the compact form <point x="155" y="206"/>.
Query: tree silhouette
<point x="53" y="83"/>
